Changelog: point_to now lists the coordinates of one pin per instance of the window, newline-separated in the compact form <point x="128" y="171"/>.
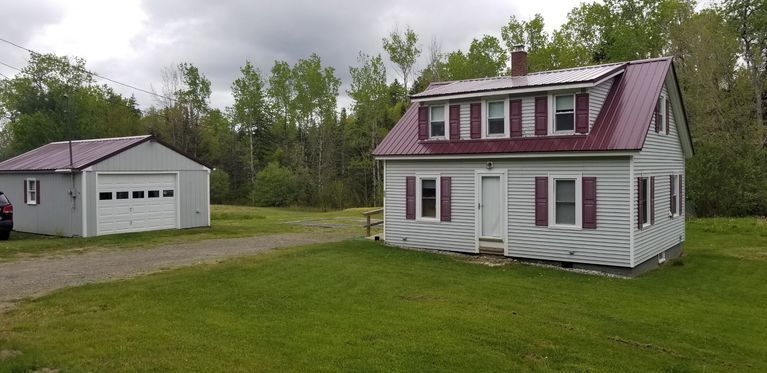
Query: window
<point x="167" y="193"/>
<point x="564" y="113"/>
<point x="645" y="201"/>
<point x="496" y="122"/>
<point x="105" y="196"/>
<point x="138" y="194"/>
<point x="662" y="257"/>
<point x="564" y="209"/>
<point x="565" y="201"/>
<point x="154" y="194"/>
<point x="429" y="198"/>
<point x="121" y="195"/>
<point x="661" y="109"/>
<point x="437" y="121"/>
<point x="31" y="191"/>
<point x="675" y="192"/>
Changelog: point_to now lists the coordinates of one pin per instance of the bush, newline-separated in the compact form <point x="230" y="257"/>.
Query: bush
<point x="275" y="186"/>
<point x="219" y="186"/>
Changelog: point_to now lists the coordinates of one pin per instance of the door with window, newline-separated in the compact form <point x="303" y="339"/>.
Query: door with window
<point x="136" y="202"/>
<point x="490" y="207"/>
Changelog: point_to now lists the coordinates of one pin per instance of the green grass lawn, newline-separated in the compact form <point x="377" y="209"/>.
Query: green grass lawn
<point x="361" y="306"/>
<point x="226" y="222"/>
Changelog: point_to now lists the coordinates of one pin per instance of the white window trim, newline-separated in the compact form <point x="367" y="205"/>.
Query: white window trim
<point x="662" y="257"/>
<point x="486" y="117"/>
<point x="677" y="189"/>
<point x="553" y="114"/>
<point x="646" y="214"/>
<point x="418" y="201"/>
<point x="446" y="112"/>
<point x="578" y="201"/>
<point x="662" y="113"/>
<point x="29" y="199"/>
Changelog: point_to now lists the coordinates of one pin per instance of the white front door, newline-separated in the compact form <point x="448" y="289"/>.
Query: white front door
<point x="490" y="207"/>
<point x="136" y="202"/>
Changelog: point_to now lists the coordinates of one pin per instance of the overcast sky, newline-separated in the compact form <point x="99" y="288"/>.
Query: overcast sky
<point x="132" y="40"/>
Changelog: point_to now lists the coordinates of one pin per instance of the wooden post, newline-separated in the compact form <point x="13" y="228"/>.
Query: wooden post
<point x="368" y="227"/>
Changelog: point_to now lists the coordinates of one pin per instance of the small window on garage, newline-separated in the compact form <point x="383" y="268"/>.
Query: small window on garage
<point x="105" y="196"/>
<point x="138" y="194"/>
<point x="167" y="193"/>
<point x="122" y="195"/>
<point x="154" y="194"/>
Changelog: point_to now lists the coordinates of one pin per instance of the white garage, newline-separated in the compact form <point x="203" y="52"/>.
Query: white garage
<point x="116" y="185"/>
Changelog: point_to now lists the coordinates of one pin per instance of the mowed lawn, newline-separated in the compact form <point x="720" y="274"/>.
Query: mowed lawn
<point x="226" y="222"/>
<point x="361" y="306"/>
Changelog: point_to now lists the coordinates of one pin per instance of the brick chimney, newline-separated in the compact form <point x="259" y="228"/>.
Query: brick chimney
<point x="519" y="61"/>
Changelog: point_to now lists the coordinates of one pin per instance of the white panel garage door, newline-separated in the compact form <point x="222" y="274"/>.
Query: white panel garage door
<point x="136" y="202"/>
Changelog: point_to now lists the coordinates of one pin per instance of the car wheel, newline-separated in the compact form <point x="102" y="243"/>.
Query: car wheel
<point x="4" y="235"/>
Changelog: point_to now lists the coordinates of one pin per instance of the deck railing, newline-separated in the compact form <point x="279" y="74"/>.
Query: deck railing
<point x="369" y="224"/>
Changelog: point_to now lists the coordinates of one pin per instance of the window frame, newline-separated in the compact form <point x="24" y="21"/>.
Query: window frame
<point x="419" y="197"/>
<point x="553" y="114"/>
<point x="445" y="121"/>
<point x="486" y="119"/>
<point x="578" y="178"/>
<point x="645" y="180"/>
<point x="661" y="107"/>
<point x="676" y="190"/>
<point x="30" y="190"/>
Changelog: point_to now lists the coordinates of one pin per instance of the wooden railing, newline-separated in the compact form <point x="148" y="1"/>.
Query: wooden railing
<point x="368" y="224"/>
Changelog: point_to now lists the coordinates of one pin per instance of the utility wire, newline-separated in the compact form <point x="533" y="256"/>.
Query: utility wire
<point x="88" y="72"/>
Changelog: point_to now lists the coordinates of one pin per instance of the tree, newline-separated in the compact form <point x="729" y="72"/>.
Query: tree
<point x="485" y="58"/>
<point x="403" y="51"/>
<point x="249" y="112"/>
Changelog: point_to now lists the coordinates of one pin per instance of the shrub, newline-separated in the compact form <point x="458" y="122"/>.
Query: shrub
<point x="275" y="186"/>
<point x="219" y="186"/>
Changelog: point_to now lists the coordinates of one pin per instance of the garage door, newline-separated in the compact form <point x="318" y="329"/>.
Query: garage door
<point x="136" y="202"/>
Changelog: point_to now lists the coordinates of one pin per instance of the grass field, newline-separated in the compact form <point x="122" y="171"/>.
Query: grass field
<point x="361" y="306"/>
<point x="226" y="222"/>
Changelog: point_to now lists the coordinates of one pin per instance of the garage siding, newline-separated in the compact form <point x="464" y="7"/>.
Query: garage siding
<point x="55" y="214"/>
<point x="609" y="244"/>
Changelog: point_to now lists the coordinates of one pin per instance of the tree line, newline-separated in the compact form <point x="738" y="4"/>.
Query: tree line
<point x="285" y="142"/>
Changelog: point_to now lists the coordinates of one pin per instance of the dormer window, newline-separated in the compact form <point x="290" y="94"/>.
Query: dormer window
<point x="437" y="121"/>
<point x="660" y="108"/>
<point x="496" y="121"/>
<point x="564" y="113"/>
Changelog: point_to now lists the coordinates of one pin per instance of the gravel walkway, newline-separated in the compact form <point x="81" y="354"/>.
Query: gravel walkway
<point x="37" y="276"/>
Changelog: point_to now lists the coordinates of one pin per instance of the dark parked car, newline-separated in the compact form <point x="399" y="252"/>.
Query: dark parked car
<point x="6" y="217"/>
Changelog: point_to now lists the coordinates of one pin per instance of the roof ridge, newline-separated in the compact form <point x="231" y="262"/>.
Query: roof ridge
<point x="102" y="139"/>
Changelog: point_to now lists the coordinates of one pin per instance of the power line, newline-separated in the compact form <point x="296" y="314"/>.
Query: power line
<point x="7" y="65"/>
<point x="87" y="72"/>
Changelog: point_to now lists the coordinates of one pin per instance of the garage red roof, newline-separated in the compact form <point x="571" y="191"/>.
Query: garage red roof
<point x="55" y="156"/>
<point x="622" y="124"/>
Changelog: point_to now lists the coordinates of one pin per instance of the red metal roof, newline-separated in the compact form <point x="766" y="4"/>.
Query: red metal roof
<point x="55" y="155"/>
<point x="622" y="124"/>
<point x="584" y="74"/>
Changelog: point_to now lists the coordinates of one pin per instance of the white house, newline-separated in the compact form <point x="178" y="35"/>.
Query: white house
<point x="115" y="185"/>
<point x="583" y="167"/>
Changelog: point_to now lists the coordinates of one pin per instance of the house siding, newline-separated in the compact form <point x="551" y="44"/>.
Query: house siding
<point x="661" y="156"/>
<point x="55" y="214"/>
<point x="597" y="97"/>
<point x="607" y="245"/>
<point x="193" y="185"/>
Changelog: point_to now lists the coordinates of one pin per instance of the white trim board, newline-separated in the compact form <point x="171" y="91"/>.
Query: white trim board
<point x="570" y="154"/>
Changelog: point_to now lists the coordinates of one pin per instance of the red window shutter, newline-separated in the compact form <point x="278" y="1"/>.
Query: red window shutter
<point x="25" y="190"/>
<point x="640" y="202"/>
<point x="410" y="197"/>
<point x="541" y="115"/>
<point x="423" y="123"/>
<point x="656" y="117"/>
<point x="455" y="122"/>
<point x="445" y="211"/>
<point x="652" y="200"/>
<point x="475" y="120"/>
<point x="681" y="194"/>
<point x="515" y="118"/>
<point x="582" y="113"/>
<point x="668" y="118"/>
<point x="542" y="200"/>
<point x="589" y="210"/>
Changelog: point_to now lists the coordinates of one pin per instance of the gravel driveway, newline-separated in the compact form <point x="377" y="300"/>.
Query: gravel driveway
<point x="37" y="276"/>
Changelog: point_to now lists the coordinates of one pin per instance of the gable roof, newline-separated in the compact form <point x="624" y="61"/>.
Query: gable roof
<point x="585" y="74"/>
<point x="622" y="124"/>
<point x="55" y="156"/>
